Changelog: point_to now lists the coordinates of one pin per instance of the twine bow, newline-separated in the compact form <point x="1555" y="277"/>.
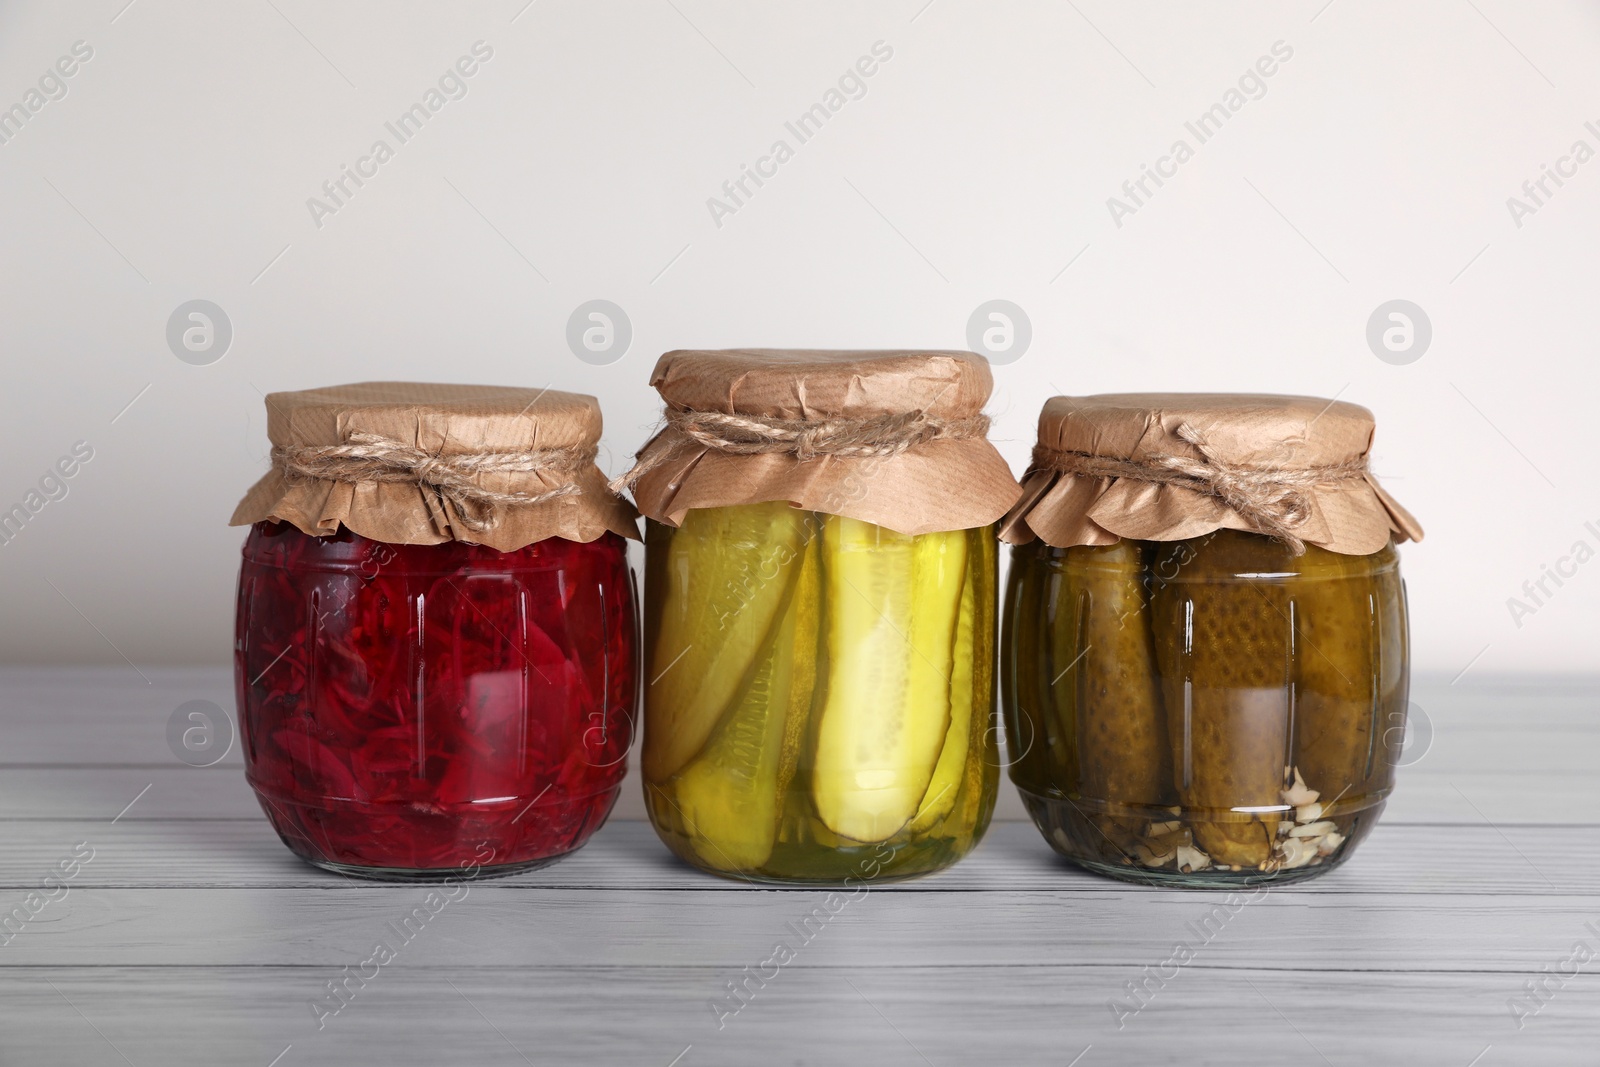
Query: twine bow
<point x="1274" y="500"/>
<point x="805" y="439"/>
<point x="370" y="457"/>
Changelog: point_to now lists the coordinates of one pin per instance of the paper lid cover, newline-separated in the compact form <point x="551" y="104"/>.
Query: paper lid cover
<point x="1251" y="433"/>
<point x="949" y="483"/>
<point x="448" y="422"/>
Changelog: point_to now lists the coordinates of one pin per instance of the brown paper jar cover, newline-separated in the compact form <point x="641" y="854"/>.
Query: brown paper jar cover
<point x="447" y="420"/>
<point x="1352" y="516"/>
<point x="947" y="484"/>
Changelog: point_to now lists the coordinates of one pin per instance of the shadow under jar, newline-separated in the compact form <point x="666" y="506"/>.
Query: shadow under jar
<point x="820" y="628"/>
<point x="413" y="711"/>
<point x="1218" y="709"/>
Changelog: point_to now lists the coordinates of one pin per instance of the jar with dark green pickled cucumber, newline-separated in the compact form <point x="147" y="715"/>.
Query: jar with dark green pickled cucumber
<point x="1204" y="666"/>
<point x="820" y="613"/>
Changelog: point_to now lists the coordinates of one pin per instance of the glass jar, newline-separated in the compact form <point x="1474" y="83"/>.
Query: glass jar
<point x="407" y="710"/>
<point x="820" y="696"/>
<point x="1206" y="711"/>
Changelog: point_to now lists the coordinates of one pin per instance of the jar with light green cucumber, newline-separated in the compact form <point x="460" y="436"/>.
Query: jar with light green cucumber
<point x="819" y="686"/>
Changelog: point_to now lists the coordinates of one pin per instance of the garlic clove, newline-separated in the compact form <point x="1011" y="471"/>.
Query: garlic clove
<point x="1299" y="794"/>
<point x="1315" y="829"/>
<point x="1151" y="858"/>
<point x="1297" y="853"/>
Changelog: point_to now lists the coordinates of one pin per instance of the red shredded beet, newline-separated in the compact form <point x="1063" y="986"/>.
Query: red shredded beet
<point x="403" y="706"/>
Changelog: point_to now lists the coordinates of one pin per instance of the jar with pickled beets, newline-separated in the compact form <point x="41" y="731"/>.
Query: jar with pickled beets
<point x="435" y="652"/>
<point x="820" y="594"/>
<point x="1204" y="668"/>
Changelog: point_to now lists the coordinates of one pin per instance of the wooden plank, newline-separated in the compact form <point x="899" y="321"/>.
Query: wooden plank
<point x="873" y="1014"/>
<point x="108" y="715"/>
<point x="180" y="792"/>
<point x="1104" y="923"/>
<point x="194" y="936"/>
<point x="1567" y="798"/>
<point x="1508" y="735"/>
<point x="1535" y="701"/>
<point x="100" y="715"/>
<point x="98" y="794"/>
<point x="1396" y="861"/>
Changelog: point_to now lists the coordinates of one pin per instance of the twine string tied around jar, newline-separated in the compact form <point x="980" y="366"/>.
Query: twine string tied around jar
<point x="370" y="457"/>
<point x="879" y="436"/>
<point x="1275" y="501"/>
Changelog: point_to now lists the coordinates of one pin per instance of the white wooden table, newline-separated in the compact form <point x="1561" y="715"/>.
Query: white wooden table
<point x="194" y="937"/>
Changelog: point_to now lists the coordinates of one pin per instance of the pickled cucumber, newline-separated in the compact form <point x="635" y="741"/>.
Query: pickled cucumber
<point x="728" y="794"/>
<point x="1344" y="615"/>
<point x="1057" y="622"/>
<point x="890" y="613"/>
<point x="951" y="769"/>
<point x="727" y="573"/>
<point x="975" y="804"/>
<point x="1038" y="750"/>
<point x="1105" y="680"/>
<point x="806" y="606"/>
<point x="1223" y="651"/>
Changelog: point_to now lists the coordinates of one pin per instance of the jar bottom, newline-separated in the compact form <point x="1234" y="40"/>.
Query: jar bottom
<point x="777" y="882"/>
<point x="1102" y="838"/>
<point x="412" y="843"/>
<point x="797" y="861"/>
<point x="401" y="874"/>
<point x="851" y="872"/>
<point x="1207" y="879"/>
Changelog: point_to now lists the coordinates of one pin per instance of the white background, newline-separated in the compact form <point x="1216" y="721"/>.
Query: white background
<point x="978" y="165"/>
